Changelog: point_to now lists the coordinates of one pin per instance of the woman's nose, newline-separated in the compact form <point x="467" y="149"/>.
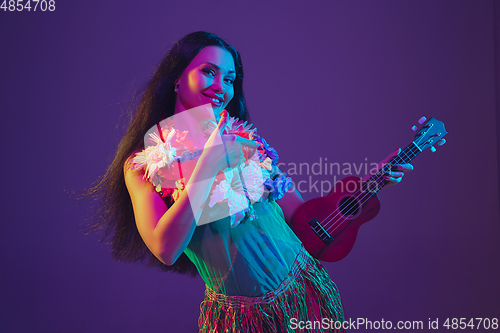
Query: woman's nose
<point x="218" y="85"/>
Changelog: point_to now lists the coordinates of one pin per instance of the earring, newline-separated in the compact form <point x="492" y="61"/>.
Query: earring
<point x="176" y="87"/>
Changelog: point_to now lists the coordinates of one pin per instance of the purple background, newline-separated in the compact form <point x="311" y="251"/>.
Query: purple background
<point x="343" y="80"/>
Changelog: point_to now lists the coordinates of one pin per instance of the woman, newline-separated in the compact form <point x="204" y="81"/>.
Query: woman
<point x="206" y="196"/>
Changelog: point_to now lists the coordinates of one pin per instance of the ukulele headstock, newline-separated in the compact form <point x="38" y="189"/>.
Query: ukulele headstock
<point x="431" y="132"/>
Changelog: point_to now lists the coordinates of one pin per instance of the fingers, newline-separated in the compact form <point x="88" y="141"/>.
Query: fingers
<point x="392" y="180"/>
<point x="394" y="174"/>
<point x="241" y="140"/>
<point x="234" y="155"/>
<point x="390" y="156"/>
<point x="222" y="121"/>
<point x="224" y="116"/>
<point x="246" y="142"/>
<point x="216" y="136"/>
<point x="393" y="177"/>
<point x="233" y="148"/>
<point x="402" y="167"/>
<point x="382" y="163"/>
<point x="397" y="172"/>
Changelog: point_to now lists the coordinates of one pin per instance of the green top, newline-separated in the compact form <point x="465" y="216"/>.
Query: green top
<point x="248" y="249"/>
<point x="248" y="260"/>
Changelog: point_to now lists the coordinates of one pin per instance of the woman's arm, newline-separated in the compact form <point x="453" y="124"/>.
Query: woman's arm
<point x="167" y="232"/>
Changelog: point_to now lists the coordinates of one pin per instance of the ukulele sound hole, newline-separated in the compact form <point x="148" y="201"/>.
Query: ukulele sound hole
<point x="349" y="206"/>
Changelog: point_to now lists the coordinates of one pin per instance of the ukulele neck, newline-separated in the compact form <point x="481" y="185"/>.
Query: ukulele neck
<point x="377" y="181"/>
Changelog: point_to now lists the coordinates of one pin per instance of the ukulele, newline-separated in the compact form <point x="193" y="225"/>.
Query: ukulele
<point x="328" y="226"/>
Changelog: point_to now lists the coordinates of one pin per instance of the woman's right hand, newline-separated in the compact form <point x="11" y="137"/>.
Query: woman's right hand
<point x="224" y="150"/>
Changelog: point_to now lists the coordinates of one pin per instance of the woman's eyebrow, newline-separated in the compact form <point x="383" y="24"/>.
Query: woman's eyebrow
<point x="218" y="68"/>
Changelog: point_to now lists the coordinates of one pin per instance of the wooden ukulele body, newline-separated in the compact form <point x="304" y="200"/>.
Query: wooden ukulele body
<point x="328" y="226"/>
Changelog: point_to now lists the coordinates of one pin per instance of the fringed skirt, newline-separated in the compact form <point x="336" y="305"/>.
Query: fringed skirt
<point x="307" y="300"/>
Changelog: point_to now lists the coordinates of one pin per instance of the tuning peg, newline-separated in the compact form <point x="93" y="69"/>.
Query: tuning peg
<point x="422" y="120"/>
<point x="441" y="142"/>
<point x="414" y="128"/>
<point x="433" y="149"/>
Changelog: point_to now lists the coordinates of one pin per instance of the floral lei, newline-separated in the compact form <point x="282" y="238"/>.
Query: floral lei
<point x="254" y="180"/>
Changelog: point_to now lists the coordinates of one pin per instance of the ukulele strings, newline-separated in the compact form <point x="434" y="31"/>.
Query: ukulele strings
<point x="353" y="206"/>
<point x="378" y="179"/>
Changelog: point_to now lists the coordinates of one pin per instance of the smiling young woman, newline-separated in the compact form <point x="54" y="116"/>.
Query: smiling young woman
<point x="258" y="276"/>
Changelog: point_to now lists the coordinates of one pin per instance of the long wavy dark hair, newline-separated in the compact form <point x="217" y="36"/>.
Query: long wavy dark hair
<point x="114" y="213"/>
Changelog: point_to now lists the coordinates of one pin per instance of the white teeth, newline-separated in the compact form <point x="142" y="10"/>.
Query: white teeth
<point x="215" y="99"/>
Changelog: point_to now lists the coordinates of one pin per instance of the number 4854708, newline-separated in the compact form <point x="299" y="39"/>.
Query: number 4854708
<point x="20" y="5"/>
<point x="482" y="323"/>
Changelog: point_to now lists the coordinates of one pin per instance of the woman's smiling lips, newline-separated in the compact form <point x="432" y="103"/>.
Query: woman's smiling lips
<point x="215" y="100"/>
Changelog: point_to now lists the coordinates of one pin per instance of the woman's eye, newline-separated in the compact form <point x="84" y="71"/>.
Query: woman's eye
<point x="209" y="71"/>
<point x="229" y="81"/>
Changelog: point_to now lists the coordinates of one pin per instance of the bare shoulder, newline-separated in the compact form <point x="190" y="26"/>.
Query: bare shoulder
<point x="128" y="162"/>
<point x="135" y="180"/>
<point x="147" y="204"/>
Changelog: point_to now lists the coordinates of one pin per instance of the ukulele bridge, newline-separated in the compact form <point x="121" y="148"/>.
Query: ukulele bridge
<point x="320" y="231"/>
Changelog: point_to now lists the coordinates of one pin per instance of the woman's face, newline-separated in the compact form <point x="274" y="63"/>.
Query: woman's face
<point x="207" y="79"/>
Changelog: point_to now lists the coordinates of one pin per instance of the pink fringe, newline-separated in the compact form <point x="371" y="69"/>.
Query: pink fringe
<point x="306" y="294"/>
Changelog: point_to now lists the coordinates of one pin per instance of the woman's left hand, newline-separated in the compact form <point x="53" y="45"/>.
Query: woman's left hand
<point x="397" y="172"/>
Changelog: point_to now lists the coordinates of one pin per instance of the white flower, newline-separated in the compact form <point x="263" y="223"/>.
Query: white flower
<point x="243" y="186"/>
<point x="155" y="157"/>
